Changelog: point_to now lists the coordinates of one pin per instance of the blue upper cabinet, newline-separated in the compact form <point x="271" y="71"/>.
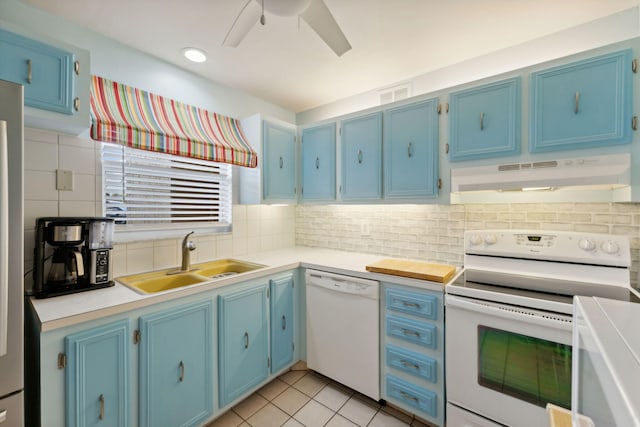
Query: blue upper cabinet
<point x="46" y="72"/>
<point x="281" y="323"/>
<point x="484" y="121"/>
<point x="583" y="104"/>
<point x="97" y="376"/>
<point x="411" y="150"/>
<point x="361" y="139"/>
<point x="176" y="364"/>
<point x="243" y="341"/>
<point x="279" y="163"/>
<point x="319" y="163"/>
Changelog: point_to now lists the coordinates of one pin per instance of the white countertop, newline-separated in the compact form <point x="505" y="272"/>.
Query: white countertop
<point x="68" y="310"/>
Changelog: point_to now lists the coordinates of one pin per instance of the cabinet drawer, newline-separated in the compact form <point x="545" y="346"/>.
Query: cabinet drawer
<point x="410" y="330"/>
<point x="413" y="303"/>
<point x="417" y="397"/>
<point x="412" y="363"/>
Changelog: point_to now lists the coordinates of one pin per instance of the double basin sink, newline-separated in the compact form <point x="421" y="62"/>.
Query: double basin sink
<point x="164" y="280"/>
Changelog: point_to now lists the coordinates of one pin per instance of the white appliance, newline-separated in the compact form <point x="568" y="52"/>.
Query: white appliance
<point x="509" y="320"/>
<point x="606" y="363"/>
<point x="11" y="255"/>
<point x="343" y="333"/>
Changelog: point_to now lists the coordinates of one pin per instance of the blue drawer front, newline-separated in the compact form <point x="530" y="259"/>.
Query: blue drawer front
<point x="412" y="363"/>
<point x="410" y="330"/>
<point x="417" y="397"/>
<point x="413" y="303"/>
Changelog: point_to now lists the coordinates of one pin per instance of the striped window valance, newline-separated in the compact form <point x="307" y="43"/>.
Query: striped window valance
<point x="140" y="119"/>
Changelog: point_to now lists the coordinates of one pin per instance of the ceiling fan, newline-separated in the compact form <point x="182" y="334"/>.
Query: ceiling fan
<point x="313" y="12"/>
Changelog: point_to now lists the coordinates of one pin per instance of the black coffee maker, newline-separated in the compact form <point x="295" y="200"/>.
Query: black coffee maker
<point x="72" y="255"/>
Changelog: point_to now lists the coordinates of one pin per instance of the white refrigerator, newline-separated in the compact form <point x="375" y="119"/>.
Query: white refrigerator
<point x="11" y="256"/>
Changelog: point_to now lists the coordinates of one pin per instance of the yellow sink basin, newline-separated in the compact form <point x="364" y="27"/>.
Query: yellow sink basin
<point x="224" y="267"/>
<point x="164" y="280"/>
<point x="159" y="281"/>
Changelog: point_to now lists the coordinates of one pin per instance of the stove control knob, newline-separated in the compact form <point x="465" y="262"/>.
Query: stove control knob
<point x="490" y="239"/>
<point x="610" y="247"/>
<point x="475" y="239"/>
<point x="587" y="245"/>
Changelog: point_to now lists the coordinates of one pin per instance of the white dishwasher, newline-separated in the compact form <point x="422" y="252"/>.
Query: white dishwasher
<point x="343" y="335"/>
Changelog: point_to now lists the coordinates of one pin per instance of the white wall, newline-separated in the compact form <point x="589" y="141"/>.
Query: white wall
<point x="618" y="27"/>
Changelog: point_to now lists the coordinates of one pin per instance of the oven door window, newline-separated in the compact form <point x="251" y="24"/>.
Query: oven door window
<point x="527" y="368"/>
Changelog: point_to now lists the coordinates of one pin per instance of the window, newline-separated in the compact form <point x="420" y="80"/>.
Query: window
<point x="149" y="193"/>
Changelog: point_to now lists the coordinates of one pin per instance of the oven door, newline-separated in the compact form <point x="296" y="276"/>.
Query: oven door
<point x="505" y="362"/>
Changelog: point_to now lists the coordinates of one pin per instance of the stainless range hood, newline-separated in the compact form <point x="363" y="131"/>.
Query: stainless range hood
<point x="589" y="179"/>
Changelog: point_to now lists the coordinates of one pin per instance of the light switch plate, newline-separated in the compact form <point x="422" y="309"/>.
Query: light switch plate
<point x="64" y="180"/>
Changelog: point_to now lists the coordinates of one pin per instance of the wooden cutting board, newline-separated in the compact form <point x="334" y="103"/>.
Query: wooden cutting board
<point x="415" y="269"/>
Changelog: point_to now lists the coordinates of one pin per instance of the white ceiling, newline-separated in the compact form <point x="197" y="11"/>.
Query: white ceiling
<point x="287" y="64"/>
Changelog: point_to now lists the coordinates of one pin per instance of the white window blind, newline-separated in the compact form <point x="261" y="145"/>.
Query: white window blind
<point x="145" y="190"/>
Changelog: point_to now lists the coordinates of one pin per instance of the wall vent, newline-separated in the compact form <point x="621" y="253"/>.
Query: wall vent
<point x="395" y="93"/>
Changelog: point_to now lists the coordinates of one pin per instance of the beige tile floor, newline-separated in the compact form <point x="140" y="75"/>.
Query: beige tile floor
<point x="306" y="399"/>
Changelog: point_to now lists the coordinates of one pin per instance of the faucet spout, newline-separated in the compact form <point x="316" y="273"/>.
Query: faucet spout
<point x="187" y="247"/>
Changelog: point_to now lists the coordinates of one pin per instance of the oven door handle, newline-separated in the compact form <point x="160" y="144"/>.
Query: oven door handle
<point x="556" y="321"/>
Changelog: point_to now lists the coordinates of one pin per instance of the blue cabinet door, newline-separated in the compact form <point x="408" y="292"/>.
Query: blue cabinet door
<point x="46" y="72"/>
<point x="97" y="376"/>
<point x="411" y="150"/>
<point x="279" y="163"/>
<point x="242" y="342"/>
<point x="361" y="139"/>
<point x="484" y="121"/>
<point x="583" y="104"/>
<point x="319" y="163"/>
<point x="176" y="380"/>
<point x="281" y="323"/>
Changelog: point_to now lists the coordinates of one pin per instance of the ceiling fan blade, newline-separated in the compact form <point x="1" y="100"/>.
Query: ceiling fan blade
<point x="320" y="19"/>
<point x="246" y="19"/>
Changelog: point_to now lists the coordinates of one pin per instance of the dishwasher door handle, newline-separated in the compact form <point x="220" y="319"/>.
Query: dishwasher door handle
<point x="343" y="287"/>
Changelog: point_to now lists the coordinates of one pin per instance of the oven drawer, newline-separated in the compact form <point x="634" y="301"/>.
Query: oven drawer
<point x="413" y="363"/>
<point x="409" y="394"/>
<point x="421" y="333"/>
<point x="417" y="304"/>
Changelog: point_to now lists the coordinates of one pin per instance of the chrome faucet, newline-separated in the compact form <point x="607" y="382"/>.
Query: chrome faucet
<point x="187" y="247"/>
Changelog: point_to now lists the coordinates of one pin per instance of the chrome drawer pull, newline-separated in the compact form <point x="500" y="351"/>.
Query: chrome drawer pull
<point x="410" y="332"/>
<point x="284" y="322"/>
<point x="281" y="162"/>
<point x="317" y="162"/>
<point x="246" y="340"/>
<point x="410" y="304"/>
<point x="408" y="396"/>
<point x="409" y="365"/>
<point x="360" y="156"/>
<point x="101" y="406"/>
<point x="577" y="108"/>
<point x="410" y="149"/>
<point x="181" y="365"/>
<point x="481" y="121"/>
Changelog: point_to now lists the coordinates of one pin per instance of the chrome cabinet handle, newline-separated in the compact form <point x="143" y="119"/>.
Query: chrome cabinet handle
<point x="481" y="121"/>
<point x="281" y="162"/>
<point x="407" y="364"/>
<point x="181" y="365"/>
<point x="29" y="71"/>
<point x="410" y="332"/>
<point x="410" y="149"/>
<point x="577" y="107"/>
<point x="246" y="340"/>
<point x="359" y="156"/>
<point x="410" y="304"/>
<point x="408" y="396"/>
<point x="317" y="163"/>
<point x="101" y="407"/>
<point x="284" y="322"/>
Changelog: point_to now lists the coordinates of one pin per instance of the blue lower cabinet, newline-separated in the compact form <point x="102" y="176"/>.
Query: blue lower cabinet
<point x="97" y="376"/>
<point x="421" y="333"/>
<point x="418" y="398"/>
<point x="413" y="363"/>
<point x="281" y="323"/>
<point x="243" y="358"/>
<point x="176" y="363"/>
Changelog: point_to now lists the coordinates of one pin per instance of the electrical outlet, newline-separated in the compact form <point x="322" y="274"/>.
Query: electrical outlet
<point x="364" y="228"/>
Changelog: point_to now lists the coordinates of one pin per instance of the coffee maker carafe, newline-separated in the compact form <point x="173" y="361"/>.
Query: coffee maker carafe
<point x="72" y="255"/>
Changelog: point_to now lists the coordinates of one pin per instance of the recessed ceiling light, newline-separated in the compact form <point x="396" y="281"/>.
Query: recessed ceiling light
<point x="194" y="54"/>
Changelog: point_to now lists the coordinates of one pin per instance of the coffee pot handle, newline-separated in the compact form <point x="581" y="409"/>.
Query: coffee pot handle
<point x="79" y="263"/>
